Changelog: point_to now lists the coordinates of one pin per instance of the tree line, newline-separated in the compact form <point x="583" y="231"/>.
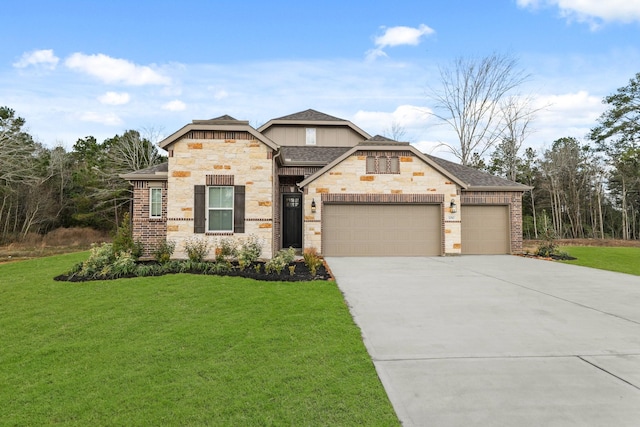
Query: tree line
<point x="582" y="188"/>
<point x="44" y="188"/>
<point x="588" y="188"/>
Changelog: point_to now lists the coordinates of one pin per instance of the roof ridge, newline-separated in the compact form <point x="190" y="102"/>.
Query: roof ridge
<point x="310" y="114"/>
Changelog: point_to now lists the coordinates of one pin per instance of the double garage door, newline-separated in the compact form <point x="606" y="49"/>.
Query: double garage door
<point x="382" y="230"/>
<point x="410" y="230"/>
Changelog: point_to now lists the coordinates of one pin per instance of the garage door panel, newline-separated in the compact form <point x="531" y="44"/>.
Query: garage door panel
<point x="485" y="229"/>
<point x="381" y="230"/>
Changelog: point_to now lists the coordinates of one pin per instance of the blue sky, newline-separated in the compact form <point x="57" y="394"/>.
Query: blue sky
<point x="76" y="68"/>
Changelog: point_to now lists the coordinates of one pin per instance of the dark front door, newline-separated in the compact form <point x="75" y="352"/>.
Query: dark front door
<point x="292" y="220"/>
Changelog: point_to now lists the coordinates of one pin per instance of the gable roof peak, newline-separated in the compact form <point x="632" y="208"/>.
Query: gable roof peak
<point x="312" y="115"/>
<point x="382" y="140"/>
<point x="225" y="119"/>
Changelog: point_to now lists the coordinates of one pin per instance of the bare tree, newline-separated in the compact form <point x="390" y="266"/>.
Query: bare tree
<point x="396" y="131"/>
<point x="469" y="101"/>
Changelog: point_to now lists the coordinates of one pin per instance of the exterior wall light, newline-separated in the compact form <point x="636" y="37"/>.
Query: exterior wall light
<point x="452" y="206"/>
<point x="313" y="206"/>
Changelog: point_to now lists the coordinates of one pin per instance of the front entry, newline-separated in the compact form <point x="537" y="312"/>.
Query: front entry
<point x="292" y="220"/>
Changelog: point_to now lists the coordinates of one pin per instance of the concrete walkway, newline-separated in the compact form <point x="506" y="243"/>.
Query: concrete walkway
<point x="499" y="340"/>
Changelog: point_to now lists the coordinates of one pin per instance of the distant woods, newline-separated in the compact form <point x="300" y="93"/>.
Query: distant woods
<point x="44" y="188"/>
<point x="588" y="188"/>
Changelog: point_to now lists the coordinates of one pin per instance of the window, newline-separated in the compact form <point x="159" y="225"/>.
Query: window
<point x="220" y="209"/>
<point x="155" y="202"/>
<point x="383" y="164"/>
<point x="311" y="136"/>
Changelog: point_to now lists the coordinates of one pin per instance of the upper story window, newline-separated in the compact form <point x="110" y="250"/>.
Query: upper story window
<point x="311" y="136"/>
<point x="383" y="164"/>
<point x="220" y="208"/>
<point x="155" y="202"/>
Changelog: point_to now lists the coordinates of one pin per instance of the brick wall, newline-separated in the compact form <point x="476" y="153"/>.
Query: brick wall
<point x="149" y="231"/>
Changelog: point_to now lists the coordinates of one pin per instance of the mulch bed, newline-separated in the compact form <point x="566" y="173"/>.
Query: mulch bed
<point x="301" y="273"/>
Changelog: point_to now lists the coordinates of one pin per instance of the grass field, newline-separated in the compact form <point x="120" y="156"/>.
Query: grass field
<point x="180" y="350"/>
<point x="621" y="259"/>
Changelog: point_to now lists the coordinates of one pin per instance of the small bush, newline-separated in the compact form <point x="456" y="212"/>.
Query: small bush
<point x="123" y="265"/>
<point x="163" y="252"/>
<point x="249" y="251"/>
<point x="196" y="249"/>
<point x="549" y="247"/>
<point x="123" y="240"/>
<point x="312" y="260"/>
<point x="280" y="260"/>
<point x="99" y="261"/>
<point x="226" y="250"/>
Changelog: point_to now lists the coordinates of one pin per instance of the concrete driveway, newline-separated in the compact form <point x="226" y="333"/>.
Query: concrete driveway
<point x="499" y="340"/>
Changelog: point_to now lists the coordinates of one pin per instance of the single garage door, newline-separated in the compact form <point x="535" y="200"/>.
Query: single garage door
<point x="381" y="230"/>
<point x="485" y="230"/>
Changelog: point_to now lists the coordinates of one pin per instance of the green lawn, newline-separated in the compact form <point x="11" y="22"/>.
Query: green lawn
<point x="624" y="260"/>
<point x="180" y="350"/>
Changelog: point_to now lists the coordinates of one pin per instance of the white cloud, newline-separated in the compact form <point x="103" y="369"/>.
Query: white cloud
<point x="44" y="58"/>
<point x="114" y="98"/>
<point x="405" y="116"/>
<point x="591" y="11"/>
<point x="114" y="70"/>
<point x="175" y="105"/>
<point x="397" y="36"/>
<point x="109" y="119"/>
<point x="220" y="94"/>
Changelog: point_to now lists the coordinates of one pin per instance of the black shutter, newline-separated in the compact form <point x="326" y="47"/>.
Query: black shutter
<point x="199" y="211"/>
<point x="238" y="209"/>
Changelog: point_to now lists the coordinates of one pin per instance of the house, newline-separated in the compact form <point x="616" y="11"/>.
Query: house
<point x="311" y="180"/>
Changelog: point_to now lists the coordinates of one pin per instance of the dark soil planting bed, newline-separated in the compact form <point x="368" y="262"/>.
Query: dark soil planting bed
<point x="296" y="271"/>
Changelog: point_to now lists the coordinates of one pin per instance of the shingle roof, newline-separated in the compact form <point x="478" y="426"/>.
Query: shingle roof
<point x="316" y="155"/>
<point x="226" y="117"/>
<point x="382" y="140"/>
<point x="157" y="172"/>
<point x="475" y="178"/>
<point x="310" y="115"/>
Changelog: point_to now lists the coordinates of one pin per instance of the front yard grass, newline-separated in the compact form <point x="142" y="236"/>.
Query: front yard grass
<point x="621" y="259"/>
<point x="180" y="350"/>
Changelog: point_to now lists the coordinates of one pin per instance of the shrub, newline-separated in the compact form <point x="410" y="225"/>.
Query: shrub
<point x="163" y="252"/>
<point x="549" y="246"/>
<point x="280" y="260"/>
<point x="123" y="240"/>
<point x="287" y="254"/>
<point x="123" y="265"/>
<point x="226" y="250"/>
<point x="100" y="258"/>
<point x="196" y="249"/>
<point x="249" y="251"/>
<point x="312" y="260"/>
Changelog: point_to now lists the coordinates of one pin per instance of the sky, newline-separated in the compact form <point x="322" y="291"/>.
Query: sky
<point x="76" y="68"/>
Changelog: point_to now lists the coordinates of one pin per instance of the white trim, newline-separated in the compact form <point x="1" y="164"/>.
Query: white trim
<point x="151" y="191"/>
<point x="210" y="209"/>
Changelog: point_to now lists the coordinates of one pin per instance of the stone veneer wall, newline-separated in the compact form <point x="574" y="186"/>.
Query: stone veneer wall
<point x="248" y="161"/>
<point x="415" y="178"/>
<point x="512" y="199"/>
<point x="148" y="231"/>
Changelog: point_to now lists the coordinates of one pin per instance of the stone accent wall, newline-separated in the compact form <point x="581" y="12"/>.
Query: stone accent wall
<point x="512" y="199"/>
<point x="246" y="162"/>
<point x="417" y="182"/>
<point x="149" y="231"/>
